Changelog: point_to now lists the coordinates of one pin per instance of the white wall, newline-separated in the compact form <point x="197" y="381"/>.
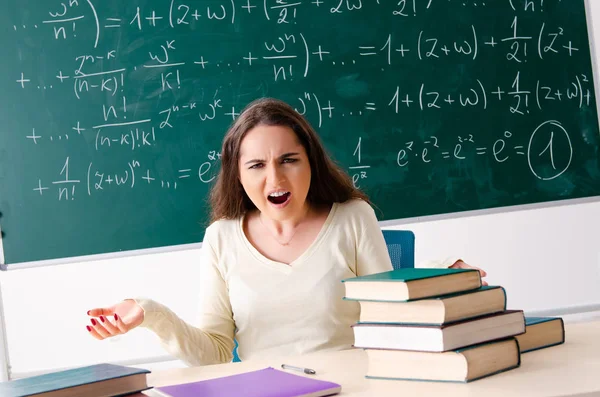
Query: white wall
<point x="45" y="307"/>
<point x="545" y="258"/>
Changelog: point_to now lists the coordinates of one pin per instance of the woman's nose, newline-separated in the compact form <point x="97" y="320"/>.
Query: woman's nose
<point x="274" y="175"/>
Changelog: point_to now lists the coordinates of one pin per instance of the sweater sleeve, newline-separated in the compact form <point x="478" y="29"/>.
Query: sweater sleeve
<point x="439" y="263"/>
<point x="372" y="253"/>
<point x="211" y="341"/>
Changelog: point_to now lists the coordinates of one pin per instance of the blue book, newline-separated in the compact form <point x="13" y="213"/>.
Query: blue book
<point x="98" y="380"/>
<point x="541" y="332"/>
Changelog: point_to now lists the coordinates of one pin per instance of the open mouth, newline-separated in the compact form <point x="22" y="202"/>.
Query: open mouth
<point x="279" y="197"/>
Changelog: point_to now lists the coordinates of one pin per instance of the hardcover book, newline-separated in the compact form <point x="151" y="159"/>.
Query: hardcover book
<point x="411" y="284"/>
<point x="541" y="332"/>
<point x="98" y="380"/>
<point x="439" y="338"/>
<point x="461" y="365"/>
<point x="437" y="310"/>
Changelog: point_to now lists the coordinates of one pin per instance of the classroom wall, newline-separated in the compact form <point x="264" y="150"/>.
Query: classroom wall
<point x="546" y="258"/>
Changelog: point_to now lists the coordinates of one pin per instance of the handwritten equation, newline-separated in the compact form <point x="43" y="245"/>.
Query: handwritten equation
<point x="290" y="55"/>
<point x="96" y="179"/>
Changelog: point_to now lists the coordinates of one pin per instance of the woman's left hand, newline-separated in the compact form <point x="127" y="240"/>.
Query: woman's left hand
<point x="459" y="264"/>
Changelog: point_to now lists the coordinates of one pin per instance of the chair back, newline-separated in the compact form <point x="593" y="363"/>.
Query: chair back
<point x="236" y="358"/>
<point x="401" y="247"/>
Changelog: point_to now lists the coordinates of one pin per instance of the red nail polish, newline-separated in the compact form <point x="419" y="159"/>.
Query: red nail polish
<point x="116" y="318"/>
<point x="88" y="328"/>
<point x="88" y="312"/>
<point x="102" y="318"/>
<point x="93" y="322"/>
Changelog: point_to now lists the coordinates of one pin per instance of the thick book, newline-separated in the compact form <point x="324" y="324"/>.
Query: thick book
<point x="411" y="284"/>
<point x="267" y="382"/>
<point x="438" y="310"/>
<point x="541" y="332"/>
<point x="439" y="338"/>
<point x="461" y="365"/>
<point x="98" y="380"/>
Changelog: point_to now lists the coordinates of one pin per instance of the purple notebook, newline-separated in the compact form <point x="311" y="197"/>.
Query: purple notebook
<point x="268" y="382"/>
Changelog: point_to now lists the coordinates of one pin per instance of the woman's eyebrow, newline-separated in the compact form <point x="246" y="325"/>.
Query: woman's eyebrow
<point x="253" y="161"/>
<point x="289" y="155"/>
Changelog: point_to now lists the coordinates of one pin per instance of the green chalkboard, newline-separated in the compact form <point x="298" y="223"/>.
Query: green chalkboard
<point x="112" y="112"/>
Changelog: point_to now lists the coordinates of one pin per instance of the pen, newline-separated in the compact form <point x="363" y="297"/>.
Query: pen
<point x="305" y="370"/>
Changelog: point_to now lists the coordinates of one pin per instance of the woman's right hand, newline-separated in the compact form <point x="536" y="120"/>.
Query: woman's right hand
<point x="115" y="320"/>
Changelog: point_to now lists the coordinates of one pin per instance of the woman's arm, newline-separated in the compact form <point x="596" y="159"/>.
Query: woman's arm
<point x="211" y="341"/>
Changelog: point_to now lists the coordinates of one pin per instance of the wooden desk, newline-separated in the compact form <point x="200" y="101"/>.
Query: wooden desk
<point x="571" y="369"/>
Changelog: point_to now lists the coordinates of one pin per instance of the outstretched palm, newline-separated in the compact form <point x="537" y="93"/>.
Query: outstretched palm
<point x="115" y="320"/>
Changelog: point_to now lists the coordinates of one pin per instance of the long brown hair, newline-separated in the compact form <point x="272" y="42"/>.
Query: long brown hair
<point x="329" y="184"/>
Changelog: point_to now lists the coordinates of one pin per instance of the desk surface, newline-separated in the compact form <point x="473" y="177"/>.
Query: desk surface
<point x="572" y="368"/>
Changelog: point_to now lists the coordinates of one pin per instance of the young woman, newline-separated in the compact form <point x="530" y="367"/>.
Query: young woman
<point x="287" y="227"/>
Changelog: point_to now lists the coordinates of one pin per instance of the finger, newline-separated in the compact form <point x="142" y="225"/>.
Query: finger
<point x="93" y="332"/>
<point x="464" y="265"/>
<point x="460" y="264"/>
<point x="484" y="283"/>
<point x="110" y="327"/>
<point x="103" y="311"/>
<point x="120" y="324"/>
<point x="100" y="329"/>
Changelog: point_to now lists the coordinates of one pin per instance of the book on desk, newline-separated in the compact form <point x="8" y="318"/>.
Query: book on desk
<point x="410" y="284"/>
<point x="99" y="380"/>
<point x="541" y="332"/>
<point x="440" y="325"/>
<point x="436" y="310"/>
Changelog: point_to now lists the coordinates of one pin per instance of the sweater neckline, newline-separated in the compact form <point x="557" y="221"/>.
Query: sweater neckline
<point x="287" y="267"/>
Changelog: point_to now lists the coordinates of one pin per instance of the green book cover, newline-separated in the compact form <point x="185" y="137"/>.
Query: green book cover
<point x="405" y="275"/>
<point x="539" y="320"/>
<point x="66" y="379"/>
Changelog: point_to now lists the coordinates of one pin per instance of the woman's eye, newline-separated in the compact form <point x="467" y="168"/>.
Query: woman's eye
<point x="256" y="166"/>
<point x="289" y="160"/>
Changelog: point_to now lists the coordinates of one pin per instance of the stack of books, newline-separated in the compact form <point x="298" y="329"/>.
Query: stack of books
<point x="434" y="325"/>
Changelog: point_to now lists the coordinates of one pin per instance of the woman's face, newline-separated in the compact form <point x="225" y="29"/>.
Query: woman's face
<point x="275" y="171"/>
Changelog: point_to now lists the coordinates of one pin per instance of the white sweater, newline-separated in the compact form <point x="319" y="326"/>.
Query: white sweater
<point x="278" y="309"/>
